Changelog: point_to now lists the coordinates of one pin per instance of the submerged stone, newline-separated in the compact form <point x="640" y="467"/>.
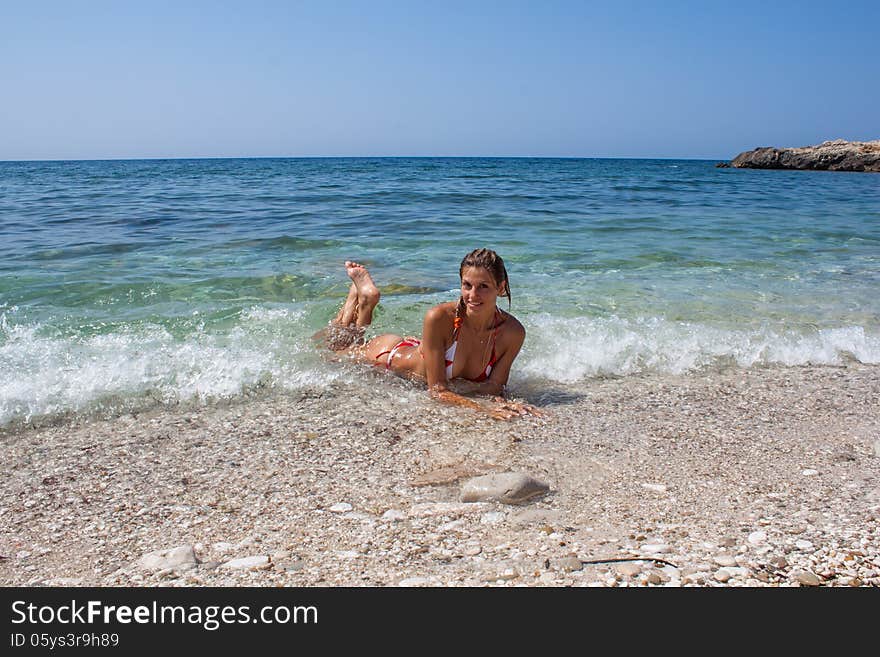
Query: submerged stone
<point x="506" y="487"/>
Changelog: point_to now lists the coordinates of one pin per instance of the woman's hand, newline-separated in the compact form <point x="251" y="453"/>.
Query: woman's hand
<point x="506" y="410"/>
<point x="499" y="408"/>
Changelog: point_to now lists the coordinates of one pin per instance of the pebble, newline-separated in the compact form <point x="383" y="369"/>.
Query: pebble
<point x="260" y="562"/>
<point x="809" y="472"/>
<point x="508" y="574"/>
<point x="758" y="537"/>
<point x="413" y="581"/>
<point x="341" y="507"/>
<point x="394" y="515"/>
<point x="174" y="558"/>
<point x="628" y="568"/>
<point x="657" y="488"/>
<point x="69" y="581"/>
<point x="452" y="525"/>
<point x="569" y="564"/>
<point x="654" y="578"/>
<point x="722" y="575"/>
<point x="655" y="548"/>
<point x="505" y="487"/>
<point x="803" y="545"/>
<point x="725" y="560"/>
<point x="671" y="572"/>
<point x="877" y="448"/>
<point x="491" y="518"/>
<point x="805" y="578"/>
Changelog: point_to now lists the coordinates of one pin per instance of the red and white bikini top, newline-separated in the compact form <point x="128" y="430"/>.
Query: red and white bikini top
<point x="450" y="353"/>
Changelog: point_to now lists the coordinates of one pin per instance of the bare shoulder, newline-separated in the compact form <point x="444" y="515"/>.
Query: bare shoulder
<point x="440" y="316"/>
<point x="512" y="329"/>
<point x="441" y="312"/>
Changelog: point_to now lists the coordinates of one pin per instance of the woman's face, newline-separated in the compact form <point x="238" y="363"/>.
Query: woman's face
<point x="479" y="290"/>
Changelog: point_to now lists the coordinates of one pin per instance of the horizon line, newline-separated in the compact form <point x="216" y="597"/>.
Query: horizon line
<point x="360" y="157"/>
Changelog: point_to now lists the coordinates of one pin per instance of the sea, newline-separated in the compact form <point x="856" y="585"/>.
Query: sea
<point x="132" y="284"/>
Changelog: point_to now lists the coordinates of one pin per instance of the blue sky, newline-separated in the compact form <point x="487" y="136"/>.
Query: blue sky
<point x="96" y="79"/>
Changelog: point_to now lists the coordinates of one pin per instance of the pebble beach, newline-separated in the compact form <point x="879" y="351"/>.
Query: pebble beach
<point x="766" y="476"/>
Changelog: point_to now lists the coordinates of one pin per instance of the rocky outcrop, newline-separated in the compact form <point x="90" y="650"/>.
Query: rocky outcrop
<point x="837" y="155"/>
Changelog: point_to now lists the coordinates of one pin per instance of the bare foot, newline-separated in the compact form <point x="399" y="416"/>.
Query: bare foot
<point x="361" y="277"/>
<point x="367" y="292"/>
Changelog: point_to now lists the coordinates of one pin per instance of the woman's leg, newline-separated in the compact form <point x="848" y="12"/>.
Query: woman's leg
<point x="346" y="330"/>
<point x="345" y="333"/>
<point x="366" y="291"/>
<point x="357" y="314"/>
<point x="376" y="351"/>
<point x="348" y="313"/>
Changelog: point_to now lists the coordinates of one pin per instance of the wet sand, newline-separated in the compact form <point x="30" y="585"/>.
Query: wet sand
<point x="761" y="477"/>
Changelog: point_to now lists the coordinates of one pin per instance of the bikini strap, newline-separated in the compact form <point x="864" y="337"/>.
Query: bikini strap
<point x="498" y="315"/>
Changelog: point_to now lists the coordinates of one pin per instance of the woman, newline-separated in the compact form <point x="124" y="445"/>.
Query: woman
<point x="471" y="340"/>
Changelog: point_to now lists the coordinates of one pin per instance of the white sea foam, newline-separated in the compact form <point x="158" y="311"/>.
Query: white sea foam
<point x="44" y="373"/>
<point x="568" y="350"/>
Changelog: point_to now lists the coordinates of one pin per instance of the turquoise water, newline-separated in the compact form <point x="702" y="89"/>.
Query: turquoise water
<point x="124" y="283"/>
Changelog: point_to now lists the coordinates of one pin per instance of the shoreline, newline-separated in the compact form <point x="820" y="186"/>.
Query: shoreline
<point x="758" y="477"/>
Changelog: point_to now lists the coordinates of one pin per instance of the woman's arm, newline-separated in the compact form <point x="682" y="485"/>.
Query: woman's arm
<point x="509" y="346"/>
<point x="437" y="325"/>
<point x="483" y="388"/>
<point x="435" y="328"/>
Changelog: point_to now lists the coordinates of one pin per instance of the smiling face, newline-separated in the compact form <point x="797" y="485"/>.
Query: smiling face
<point x="479" y="290"/>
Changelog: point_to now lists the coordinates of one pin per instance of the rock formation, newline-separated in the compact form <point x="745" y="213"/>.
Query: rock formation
<point x="837" y="155"/>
